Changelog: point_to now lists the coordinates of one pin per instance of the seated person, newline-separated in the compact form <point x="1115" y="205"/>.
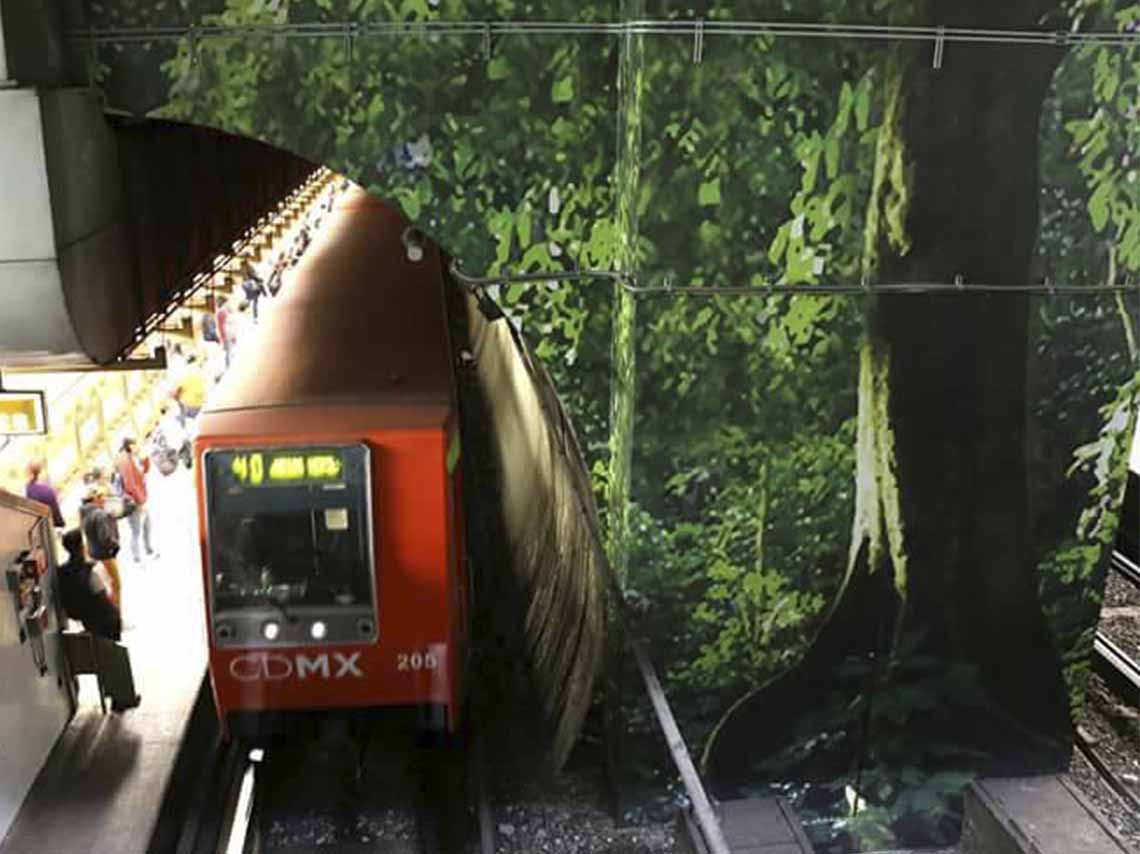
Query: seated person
<point x="87" y="599"/>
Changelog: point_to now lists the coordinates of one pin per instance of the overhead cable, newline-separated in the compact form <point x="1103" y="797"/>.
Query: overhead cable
<point x="697" y="29"/>
<point x="631" y="283"/>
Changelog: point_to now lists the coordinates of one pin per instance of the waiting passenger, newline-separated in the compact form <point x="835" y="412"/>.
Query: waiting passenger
<point x="102" y="532"/>
<point x="169" y="443"/>
<point x="190" y="393"/>
<point x="253" y="289"/>
<point x="86" y="599"/>
<point x="133" y="479"/>
<point x="240" y="325"/>
<point x="38" y="489"/>
<point x="221" y="324"/>
<point x="85" y="595"/>
<point x="273" y="285"/>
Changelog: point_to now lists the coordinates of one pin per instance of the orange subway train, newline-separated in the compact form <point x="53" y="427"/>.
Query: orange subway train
<point x="329" y="493"/>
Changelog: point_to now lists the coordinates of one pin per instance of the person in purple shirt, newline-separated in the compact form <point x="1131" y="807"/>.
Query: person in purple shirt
<point x="43" y="492"/>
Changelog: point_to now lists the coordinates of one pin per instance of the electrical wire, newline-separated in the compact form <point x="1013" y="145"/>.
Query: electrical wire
<point x="629" y="282"/>
<point x="695" y="28"/>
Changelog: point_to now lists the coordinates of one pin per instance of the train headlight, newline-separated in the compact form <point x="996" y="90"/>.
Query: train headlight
<point x="224" y="631"/>
<point x="270" y="629"/>
<point x="364" y="627"/>
<point x="318" y="630"/>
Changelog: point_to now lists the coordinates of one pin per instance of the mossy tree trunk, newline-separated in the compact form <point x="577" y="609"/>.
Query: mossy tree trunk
<point x="948" y="396"/>
<point x="623" y="392"/>
<point x="940" y="567"/>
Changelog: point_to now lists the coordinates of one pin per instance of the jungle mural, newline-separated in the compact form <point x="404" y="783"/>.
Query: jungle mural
<point x="866" y="533"/>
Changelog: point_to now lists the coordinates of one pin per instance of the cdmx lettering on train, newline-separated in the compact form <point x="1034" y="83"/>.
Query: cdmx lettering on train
<point x="272" y="667"/>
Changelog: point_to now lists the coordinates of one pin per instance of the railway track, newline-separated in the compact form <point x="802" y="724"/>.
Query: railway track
<point x="387" y="797"/>
<point x="1106" y="773"/>
<point x="1121" y="674"/>
<point x="1115" y="666"/>
<point x="1125" y="566"/>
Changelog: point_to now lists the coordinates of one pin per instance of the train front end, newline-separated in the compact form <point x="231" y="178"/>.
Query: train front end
<point x="331" y="578"/>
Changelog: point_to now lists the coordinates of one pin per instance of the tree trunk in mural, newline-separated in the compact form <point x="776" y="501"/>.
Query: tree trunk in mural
<point x="940" y="572"/>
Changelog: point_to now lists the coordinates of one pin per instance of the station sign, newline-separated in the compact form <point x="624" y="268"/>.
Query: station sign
<point x="22" y="413"/>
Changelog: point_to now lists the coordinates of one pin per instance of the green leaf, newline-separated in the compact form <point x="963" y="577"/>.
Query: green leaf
<point x="779" y="243"/>
<point x="536" y="257"/>
<point x="1098" y="205"/>
<point x="709" y="193"/>
<point x="498" y="68"/>
<point x="410" y="202"/>
<point x="563" y="90"/>
<point x="810" y="152"/>
<point x="862" y="106"/>
<point x="522" y="224"/>
<point x="601" y="248"/>
<point x="831" y="152"/>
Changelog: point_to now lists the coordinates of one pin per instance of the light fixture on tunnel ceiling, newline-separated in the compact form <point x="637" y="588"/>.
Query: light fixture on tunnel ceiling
<point x="413" y="240"/>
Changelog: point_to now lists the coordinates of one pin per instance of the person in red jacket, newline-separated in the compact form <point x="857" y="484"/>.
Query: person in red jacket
<point x="133" y="484"/>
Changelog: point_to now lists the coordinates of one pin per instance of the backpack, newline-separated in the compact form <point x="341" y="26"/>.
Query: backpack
<point x="209" y="327"/>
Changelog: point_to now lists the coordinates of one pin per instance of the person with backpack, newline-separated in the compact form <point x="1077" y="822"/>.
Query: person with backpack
<point x="102" y="532"/>
<point x="85" y="595"/>
<point x="86" y="599"/>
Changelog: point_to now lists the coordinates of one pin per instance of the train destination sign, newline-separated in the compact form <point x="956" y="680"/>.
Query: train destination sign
<point x="286" y="467"/>
<point x="22" y="413"/>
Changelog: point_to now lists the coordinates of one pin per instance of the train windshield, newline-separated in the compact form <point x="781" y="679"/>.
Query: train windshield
<point x="289" y="527"/>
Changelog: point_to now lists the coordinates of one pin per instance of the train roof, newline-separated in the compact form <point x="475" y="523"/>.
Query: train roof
<point x="356" y="323"/>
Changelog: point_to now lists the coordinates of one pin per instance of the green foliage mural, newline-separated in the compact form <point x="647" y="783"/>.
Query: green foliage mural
<point x="905" y="499"/>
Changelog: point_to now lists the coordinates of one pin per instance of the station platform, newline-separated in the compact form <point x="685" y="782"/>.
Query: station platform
<point x="105" y="781"/>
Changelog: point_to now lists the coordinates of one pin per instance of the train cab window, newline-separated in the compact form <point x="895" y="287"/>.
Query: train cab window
<point x="290" y="545"/>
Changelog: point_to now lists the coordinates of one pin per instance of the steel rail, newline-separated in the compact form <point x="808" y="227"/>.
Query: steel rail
<point x="242" y="826"/>
<point x="628" y="282"/>
<point x="695" y="28"/>
<point x="1106" y="773"/>
<point x="1126" y="566"/>
<point x="1117" y="668"/>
